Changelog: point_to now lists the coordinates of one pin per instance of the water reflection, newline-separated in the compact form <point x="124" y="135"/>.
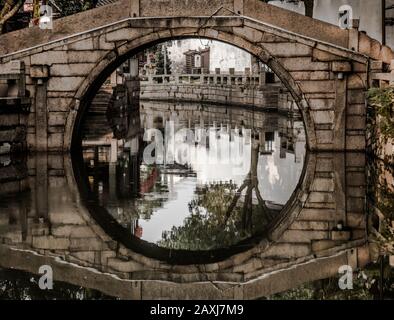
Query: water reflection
<point x="56" y="228"/>
<point x="223" y="179"/>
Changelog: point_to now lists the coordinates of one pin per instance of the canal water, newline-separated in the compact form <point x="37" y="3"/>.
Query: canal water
<point x="179" y="173"/>
<point x="164" y="184"/>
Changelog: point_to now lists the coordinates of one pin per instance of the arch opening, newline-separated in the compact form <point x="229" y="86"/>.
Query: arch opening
<point x="142" y="105"/>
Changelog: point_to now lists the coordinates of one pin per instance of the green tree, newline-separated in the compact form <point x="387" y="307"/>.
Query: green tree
<point x="69" y="7"/>
<point x="163" y="65"/>
<point x="8" y="8"/>
<point x="213" y="223"/>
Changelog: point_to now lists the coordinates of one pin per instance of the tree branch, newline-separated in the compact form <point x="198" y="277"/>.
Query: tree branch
<point x="12" y="11"/>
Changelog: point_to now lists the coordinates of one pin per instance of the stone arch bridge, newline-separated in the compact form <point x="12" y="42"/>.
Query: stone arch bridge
<point x="58" y="71"/>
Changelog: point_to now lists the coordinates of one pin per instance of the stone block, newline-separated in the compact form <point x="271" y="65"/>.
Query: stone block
<point x="309" y="225"/>
<point x="49" y="58"/>
<point x="287" y="250"/>
<point x="57" y="118"/>
<point x="64" y="83"/>
<point x="356" y="122"/>
<point x="356" y="110"/>
<point x="321" y="245"/>
<point x="321" y="214"/>
<point x="39" y="71"/>
<point x="357" y="81"/>
<point x="321" y="104"/>
<point x="323" y="185"/>
<point x="386" y="55"/>
<point x="65" y="217"/>
<point x="288" y="49"/>
<point x="87" y="244"/>
<point x="85" y="44"/>
<point x="72" y="231"/>
<point x="356" y="97"/>
<point x="295" y="236"/>
<point x="356" y="143"/>
<point x="317" y="86"/>
<point x="58" y="104"/>
<point x="340" y="235"/>
<point x="356" y="205"/>
<point x="72" y="69"/>
<point x="51" y="243"/>
<point x="376" y="66"/>
<point x="55" y="141"/>
<point x="85" y="56"/>
<point x="124" y="266"/>
<point x="356" y="220"/>
<point x="364" y="45"/>
<point x="341" y="66"/>
<point x="87" y="256"/>
<point x="303" y="64"/>
<point x="323" y="117"/>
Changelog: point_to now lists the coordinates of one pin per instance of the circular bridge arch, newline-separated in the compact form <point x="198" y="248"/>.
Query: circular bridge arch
<point x="112" y="60"/>
<point x="100" y="73"/>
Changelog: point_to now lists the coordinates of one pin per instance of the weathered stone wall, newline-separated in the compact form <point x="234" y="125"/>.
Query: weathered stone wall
<point x="308" y="72"/>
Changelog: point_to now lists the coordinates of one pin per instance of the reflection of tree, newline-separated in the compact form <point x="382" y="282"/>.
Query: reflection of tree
<point x="206" y="226"/>
<point x="250" y="183"/>
<point x="213" y="224"/>
<point x="366" y="286"/>
<point x="382" y="203"/>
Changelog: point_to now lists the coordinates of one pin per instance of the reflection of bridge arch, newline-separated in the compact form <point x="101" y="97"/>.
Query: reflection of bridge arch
<point x="308" y="249"/>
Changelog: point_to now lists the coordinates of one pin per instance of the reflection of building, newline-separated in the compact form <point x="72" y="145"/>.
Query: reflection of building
<point x="197" y="61"/>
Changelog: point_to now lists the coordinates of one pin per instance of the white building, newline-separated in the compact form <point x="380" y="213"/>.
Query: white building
<point x="222" y="55"/>
<point x="370" y="13"/>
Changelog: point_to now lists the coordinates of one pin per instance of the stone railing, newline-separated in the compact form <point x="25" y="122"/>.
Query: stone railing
<point x="244" y="89"/>
<point x="217" y="78"/>
<point x="12" y="80"/>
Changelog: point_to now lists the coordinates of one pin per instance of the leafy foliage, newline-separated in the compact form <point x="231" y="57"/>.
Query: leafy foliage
<point x="8" y="8"/>
<point x="382" y="100"/>
<point x="365" y="287"/>
<point x="162" y="67"/>
<point x="207" y="226"/>
<point x="69" y="7"/>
